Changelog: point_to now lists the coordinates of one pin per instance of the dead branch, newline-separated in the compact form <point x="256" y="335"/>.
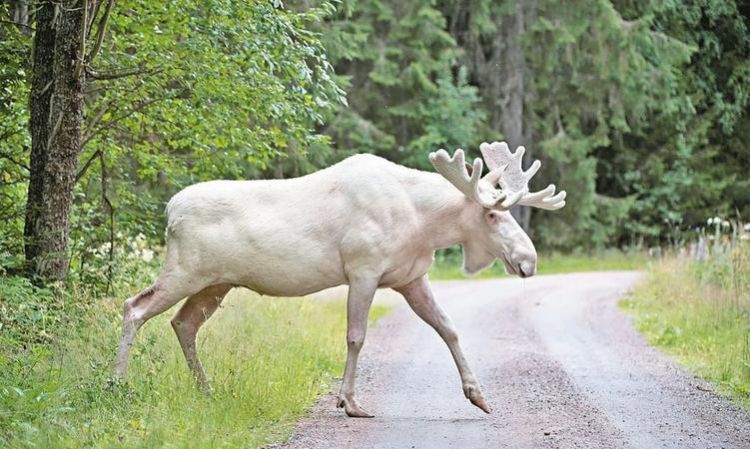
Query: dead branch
<point x="138" y="108"/>
<point x="18" y="24"/>
<point x="95" y="74"/>
<point x="86" y="166"/>
<point x="100" y="32"/>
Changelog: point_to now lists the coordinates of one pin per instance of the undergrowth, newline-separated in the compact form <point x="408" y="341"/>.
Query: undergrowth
<point x="697" y="307"/>
<point x="268" y="359"/>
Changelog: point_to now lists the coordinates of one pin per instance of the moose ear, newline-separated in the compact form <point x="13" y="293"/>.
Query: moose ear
<point x="493" y="217"/>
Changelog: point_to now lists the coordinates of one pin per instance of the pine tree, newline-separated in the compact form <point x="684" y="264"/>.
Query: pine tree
<point x="407" y="94"/>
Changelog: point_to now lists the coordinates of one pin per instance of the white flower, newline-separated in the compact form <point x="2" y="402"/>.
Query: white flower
<point x="710" y="221"/>
<point x="147" y="255"/>
<point x="725" y="224"/>
<point x="746" y="227"/>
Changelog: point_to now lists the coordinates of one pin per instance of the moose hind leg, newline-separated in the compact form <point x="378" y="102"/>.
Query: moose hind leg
<point x="165" y="293"/>
<point x="187" y="321"/>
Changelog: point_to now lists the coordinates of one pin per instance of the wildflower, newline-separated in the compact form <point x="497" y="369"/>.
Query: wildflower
<point x="710" y="221"/>
<point x="103" y="249"/>
<point x="746" y="227"/>
<point x="725" y="224"/>
<point x="147" y="255"/>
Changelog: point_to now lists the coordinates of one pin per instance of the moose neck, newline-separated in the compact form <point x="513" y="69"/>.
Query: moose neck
<point x="448" y="217"/>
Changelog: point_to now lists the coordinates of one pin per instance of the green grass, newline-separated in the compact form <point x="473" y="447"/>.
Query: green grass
<point x="700" y="313"/>
<point x="269" y="359"/>
<point x="448" y="265"/>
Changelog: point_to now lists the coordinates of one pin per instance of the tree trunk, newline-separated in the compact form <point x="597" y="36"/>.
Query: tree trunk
<point x="509" y="116"/>
<point x="56" y="117"/>
<point x="39" y="107"/>
<point x="18" y="13"/>
<point x="498" y="66"/>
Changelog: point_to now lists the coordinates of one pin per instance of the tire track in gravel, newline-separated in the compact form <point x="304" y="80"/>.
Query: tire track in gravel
<point x="558" y="362"/>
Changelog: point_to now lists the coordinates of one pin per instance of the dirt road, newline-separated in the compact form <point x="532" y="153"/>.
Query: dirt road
<point x="560" y="365"/>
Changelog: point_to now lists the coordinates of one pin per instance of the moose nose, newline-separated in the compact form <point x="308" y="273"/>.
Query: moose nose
<point x="526" y="269"/>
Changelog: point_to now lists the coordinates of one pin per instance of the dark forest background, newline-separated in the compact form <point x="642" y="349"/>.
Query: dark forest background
<point x="638" y="108"/>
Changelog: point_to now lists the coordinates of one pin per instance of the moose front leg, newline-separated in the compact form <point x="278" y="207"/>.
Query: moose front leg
<point x="419" y="296"/>
<point x="361" y="293"/>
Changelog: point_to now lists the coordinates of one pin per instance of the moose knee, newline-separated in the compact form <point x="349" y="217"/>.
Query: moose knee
<point x="131" y="314"/>
<point x="135" y="308"/>
<point x="181" y="325"/>
<point x="127" y="307"/>
<point x="449" y="335"/>
<point x="176" y="322"/>
<point x="355" y="342"/>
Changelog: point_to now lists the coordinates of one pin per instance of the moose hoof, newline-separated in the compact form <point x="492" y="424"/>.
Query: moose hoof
<point x="353" y="409"/>
<point x="476" y="398"/>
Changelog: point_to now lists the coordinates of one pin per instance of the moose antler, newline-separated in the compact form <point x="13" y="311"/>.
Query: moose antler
<point x="454" y="169"/>
<point x="514" y="181"/>
<point x="505" y="171"/>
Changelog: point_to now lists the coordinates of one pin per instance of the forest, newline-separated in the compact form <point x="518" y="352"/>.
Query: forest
<point x="639" y="109"/>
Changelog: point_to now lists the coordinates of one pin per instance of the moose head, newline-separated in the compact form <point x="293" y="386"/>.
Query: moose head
<point x="505" y="186"/>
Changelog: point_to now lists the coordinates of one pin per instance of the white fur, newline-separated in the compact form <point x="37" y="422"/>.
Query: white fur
<point x="365" y="222"/>
<point x="365" y="216"/>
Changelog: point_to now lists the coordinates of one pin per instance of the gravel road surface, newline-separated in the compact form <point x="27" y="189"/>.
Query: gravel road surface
<point x="559" y="364"/>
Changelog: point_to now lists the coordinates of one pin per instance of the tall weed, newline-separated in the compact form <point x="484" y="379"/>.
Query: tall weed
<point x="696" y="304"/>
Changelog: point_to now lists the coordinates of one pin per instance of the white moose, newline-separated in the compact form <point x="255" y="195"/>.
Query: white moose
<point x="365" y="222"/>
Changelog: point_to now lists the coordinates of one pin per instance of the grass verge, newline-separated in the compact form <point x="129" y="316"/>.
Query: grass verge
<point x="448" y="264"/>
<point x="700" y="313"/>
<point x="269" y="359"/>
